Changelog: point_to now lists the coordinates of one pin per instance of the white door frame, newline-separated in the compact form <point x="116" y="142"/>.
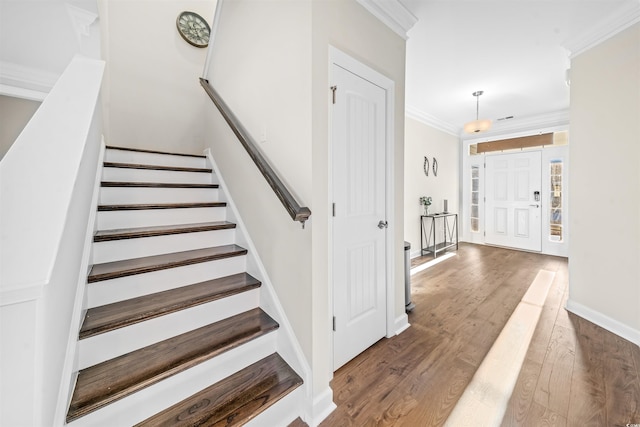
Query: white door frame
<point x="548" y="152"/>
<point x="345" y="61"/>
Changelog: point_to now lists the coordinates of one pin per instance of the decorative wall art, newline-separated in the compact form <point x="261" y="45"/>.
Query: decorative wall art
<point x="435" y="167"/>
<point x="425" y="166"/>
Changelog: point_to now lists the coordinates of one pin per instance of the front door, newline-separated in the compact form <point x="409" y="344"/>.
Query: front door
<point x="359" y="231"/>
<point x="513" y="200"/>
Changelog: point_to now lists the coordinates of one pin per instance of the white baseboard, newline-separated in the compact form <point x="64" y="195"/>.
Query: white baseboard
<point x="401" y="323"/>
<point x="611" y="325"/>
<point x="70" y="367"/>
<point x="322" y="406"/>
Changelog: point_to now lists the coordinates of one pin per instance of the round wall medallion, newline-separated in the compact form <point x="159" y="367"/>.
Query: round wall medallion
<point x="193" y="29"/>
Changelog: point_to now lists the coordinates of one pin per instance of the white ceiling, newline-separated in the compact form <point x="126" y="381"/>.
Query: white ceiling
<point x="38" y="38"/>
<point x="513" y="50"/>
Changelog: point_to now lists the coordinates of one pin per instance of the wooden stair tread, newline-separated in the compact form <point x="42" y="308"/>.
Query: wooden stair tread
<point x="131" y="184"/>
<point x="124" y="313"/>
<point x="140" y="150"/>
<point x="160" y="230"/>
<point x="134" y="207"/>
<point x="235" y="400"/>
<point x="114" y="379"/>
<point x="155" y="167"/>
<point x="129" y="267"/>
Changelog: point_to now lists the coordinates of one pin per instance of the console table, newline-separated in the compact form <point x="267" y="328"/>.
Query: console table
<point x="428" y="233"/>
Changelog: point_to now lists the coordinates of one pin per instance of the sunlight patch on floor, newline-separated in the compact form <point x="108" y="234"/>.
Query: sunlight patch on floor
<point x="422" y="267"/>
<point x="485" y="399"/>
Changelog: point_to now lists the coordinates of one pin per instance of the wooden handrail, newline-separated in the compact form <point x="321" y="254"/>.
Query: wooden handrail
<point x="297" y="212"/>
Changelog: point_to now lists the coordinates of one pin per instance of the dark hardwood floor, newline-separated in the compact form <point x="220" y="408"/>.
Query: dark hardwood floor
<point x="575" y="373"/>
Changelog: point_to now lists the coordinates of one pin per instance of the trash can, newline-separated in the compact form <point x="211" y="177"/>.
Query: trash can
<point x="408" y="305"/>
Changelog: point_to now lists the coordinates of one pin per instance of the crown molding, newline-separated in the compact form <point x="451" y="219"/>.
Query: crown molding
<point x="82" y="20"/>
<point x="392" y="13"/>
<point x="622" y="18"/>
<point x="429" y="120"/>
<point x="556" y="119"/>
<point x="28" y="78"/>
<point x="18" y="92"/>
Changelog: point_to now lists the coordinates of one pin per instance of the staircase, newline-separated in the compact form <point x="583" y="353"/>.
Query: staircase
<point x="173" y="333"/>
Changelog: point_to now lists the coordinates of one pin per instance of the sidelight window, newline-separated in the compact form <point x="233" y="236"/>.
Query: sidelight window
<point x="475" y="198"/>
<point x="555" y="205"/>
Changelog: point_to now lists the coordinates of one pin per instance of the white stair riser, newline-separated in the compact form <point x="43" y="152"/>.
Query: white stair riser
<point x="111" y="220"/>
<point x="124" y="156"/>
<point x="141" y="195"/>
<point x="122" y="288"/>
<point x="116" y="250"/>
<point x="152" y="175"/>
<point x="153" y="399"/>
<point x="115" y="343"/>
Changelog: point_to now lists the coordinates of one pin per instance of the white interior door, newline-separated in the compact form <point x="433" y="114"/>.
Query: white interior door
<point x="358" y="176"/>
<point x="513" y="188"/>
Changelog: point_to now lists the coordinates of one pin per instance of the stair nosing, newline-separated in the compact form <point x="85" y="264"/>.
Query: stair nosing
<point x="175" y="365"/>
<point x="152" y="206"/>
<point x="141" y="166"/>
<point x="135" y="184"/>
<point x="238" y="283"/>
<point x="141" y="150"/>
<point x="160" y="230"/>
<point x="229" y="402"/>
<point x="163" y="262"/>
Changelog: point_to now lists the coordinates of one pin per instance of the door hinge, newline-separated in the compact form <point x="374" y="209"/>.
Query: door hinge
<point x="333" y="91"/>
<point x="333" y="209"/>
<point x="334" y="323"/>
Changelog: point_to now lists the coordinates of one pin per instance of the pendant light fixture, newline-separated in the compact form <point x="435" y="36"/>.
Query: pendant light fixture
<point x="477" y="125"/>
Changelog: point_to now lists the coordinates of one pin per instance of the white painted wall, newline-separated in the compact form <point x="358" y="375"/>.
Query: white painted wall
<point x="271" y="64"/>
<point x="152" y="96"/>
<point x="14" y="115"/>
<point x="604" y="268"/>
<point x="423" y="140"/>
<point x="46" y="186"/>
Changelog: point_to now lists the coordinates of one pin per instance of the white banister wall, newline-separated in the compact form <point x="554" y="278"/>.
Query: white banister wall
<point x="47" y="180"/>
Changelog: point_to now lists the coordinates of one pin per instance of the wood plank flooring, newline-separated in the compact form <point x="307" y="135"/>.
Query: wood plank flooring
<point x="574" y="373"/>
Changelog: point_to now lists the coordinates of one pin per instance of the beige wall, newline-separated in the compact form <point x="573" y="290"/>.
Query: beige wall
<point x="345" y="25"/>
<point x="422" y="140"/>
<point x="271" y="63"/>
<point x="15" y="113"/>
<point x="605" y="184"/>
<point x="261" y="65"/>
<point x="151" y="92"/>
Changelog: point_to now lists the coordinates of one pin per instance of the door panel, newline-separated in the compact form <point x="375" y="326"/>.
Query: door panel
<point x="522" y="223"/>
<point x="513" y="214"/>
<point x="358" y="173"/>
<point x="501" y="221"/>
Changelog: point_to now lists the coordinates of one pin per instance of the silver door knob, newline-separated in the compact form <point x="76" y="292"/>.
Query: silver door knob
<point x="535" y="206"/>
<point x="382" y="224"/>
